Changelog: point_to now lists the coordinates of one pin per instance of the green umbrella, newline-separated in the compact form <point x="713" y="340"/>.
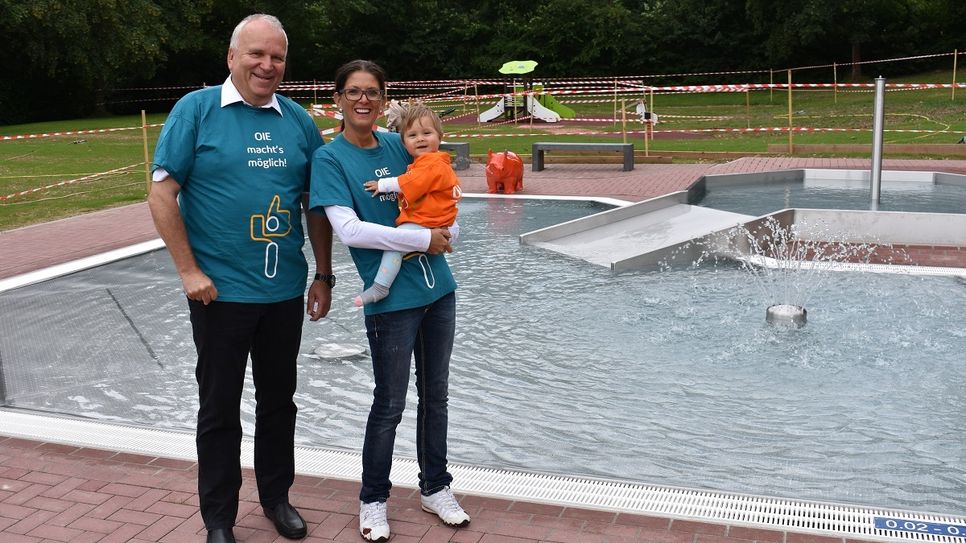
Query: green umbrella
<point x="518" y="67"/>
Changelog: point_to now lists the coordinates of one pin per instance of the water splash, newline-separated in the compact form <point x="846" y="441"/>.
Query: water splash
<point x="787" y="262"/>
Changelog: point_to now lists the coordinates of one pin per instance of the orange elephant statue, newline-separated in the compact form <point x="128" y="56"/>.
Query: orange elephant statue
<point x="504" y="171"/>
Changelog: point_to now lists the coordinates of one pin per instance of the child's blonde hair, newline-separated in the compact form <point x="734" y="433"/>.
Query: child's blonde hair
<point x="411" y="113"/>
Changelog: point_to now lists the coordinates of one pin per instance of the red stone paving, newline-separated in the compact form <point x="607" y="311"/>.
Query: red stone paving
<point x="53" y="492"/>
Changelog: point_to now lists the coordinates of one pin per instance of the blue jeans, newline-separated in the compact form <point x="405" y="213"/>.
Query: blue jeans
<point x="425" y="333"/>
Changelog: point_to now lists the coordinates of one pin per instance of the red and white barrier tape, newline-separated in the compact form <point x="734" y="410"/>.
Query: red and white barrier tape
<point x="778" y="129"/>
<point x="69" y="182"/>
<point x="516" y="135"/>
<point x="634" y="91"/>
<point x="502" y="123"/>
<point x="182" y="87"/>
<point x="870" y="61"/>
<point x="799" y="129"/>
<point x="73" y="132"/>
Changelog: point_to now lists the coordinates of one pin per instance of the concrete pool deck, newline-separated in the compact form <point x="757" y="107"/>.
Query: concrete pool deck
<point x="50" y="491"/>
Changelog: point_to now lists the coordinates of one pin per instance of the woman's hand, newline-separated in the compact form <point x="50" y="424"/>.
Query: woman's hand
<point x="439" y="242"/>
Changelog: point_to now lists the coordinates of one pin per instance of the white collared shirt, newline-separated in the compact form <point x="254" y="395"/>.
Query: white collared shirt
<point x="230" y="95"/>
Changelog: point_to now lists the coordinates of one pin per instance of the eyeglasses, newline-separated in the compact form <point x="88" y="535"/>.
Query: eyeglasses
<point x="356" y="94"/>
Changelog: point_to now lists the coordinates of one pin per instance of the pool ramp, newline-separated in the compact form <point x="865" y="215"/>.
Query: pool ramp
<point x="637" y="236"/>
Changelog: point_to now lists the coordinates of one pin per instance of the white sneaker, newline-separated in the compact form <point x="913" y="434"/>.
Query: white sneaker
<point x="372" y="521"/>
<point x="445" y="506"/>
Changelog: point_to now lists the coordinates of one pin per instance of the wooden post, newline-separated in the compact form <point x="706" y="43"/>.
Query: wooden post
<point x="790" y="124"/>
<point x="647" y="133"/>
<point x="476" y="98"/>
<point x="771" y="89"/>
<point x="624" y="120"/>
<point x="528" y="100"/>
<point x="615" y="99"/>
<point x="644" y="103"/>
<point x="147" y="160"/>
<point x="835" y="84"/>
<point x="955" y="56"/>
<point x="748" y="107"/>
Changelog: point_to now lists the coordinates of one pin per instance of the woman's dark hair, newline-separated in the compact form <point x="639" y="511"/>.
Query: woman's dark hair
<point x="359" y="65"/>
<point x="353" y="66"/>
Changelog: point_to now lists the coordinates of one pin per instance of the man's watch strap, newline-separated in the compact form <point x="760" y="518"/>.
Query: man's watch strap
<point x="328" y="279"/>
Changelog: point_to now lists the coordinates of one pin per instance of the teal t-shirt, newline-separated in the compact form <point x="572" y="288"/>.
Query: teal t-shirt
<point x="242" y="172"/>
<point x="339" y="171"/>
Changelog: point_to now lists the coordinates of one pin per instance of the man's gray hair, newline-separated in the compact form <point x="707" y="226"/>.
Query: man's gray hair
<point x="270" y="19"/>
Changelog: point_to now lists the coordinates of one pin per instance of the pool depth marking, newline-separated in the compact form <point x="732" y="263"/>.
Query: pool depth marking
<point x="920" y="527"/>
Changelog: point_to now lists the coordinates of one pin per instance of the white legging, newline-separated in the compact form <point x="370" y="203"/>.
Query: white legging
<point x="392" y="261"/>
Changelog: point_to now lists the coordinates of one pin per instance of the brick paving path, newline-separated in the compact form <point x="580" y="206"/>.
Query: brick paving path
<point x="53" y="492"/>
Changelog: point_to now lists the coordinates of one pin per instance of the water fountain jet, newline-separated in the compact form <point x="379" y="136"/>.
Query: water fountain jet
<point x="788" y="261"/>
<point x="786" y="315"/>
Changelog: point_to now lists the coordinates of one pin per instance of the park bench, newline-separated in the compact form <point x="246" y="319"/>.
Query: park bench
<point x="462" y="151"/>
<point x="540" y="147"/>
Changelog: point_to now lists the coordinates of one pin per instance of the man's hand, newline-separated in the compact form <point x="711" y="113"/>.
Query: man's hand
<point x="199" y="287"/>
<point x="319" y="301"/>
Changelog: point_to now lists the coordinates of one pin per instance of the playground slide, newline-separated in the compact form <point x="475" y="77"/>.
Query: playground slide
<point x="551" y="103"/>
<point x="493" y="113"/>
<point x="540" y="112"/>
<point x="542" y="106"/>
<point x="533" y="107"/>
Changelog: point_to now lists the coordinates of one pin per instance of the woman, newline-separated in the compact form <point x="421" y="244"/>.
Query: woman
<point x="417" y="318"/>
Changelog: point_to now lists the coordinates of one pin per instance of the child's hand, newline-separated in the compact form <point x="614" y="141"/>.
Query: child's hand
<point x="372" y="186"/>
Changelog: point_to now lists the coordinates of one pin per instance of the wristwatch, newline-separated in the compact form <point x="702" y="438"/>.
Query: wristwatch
<point x="327" y="279"/>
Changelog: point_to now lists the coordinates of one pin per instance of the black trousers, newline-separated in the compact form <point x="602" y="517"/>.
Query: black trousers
<point x="225" y="334"/>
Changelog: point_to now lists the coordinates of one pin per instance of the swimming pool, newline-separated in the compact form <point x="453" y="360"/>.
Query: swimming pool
<point x="560" y="366"/>
<point x="838" y="189"/>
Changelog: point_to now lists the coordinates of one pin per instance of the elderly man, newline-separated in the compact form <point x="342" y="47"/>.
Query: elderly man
<point x="231" y="171"/>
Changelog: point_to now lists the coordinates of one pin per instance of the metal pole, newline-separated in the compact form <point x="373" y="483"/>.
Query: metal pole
<point x="877" y="122"/>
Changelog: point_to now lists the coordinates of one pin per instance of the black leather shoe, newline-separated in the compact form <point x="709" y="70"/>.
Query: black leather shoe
<point x="221" y="535"/>
<point x="288" y="521"/>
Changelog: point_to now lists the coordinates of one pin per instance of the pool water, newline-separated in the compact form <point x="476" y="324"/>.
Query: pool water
<point x="909" y="196"/>
<point x="669" y="378"/>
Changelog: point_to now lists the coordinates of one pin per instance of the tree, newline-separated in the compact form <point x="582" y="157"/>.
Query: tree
<point x="75" y="51"/>
<point x="816" y="30"/>
<point x="584" y="37"/>
<point x="701" y="36"/>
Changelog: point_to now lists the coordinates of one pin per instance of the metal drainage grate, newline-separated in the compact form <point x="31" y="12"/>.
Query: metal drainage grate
<point x="680" y="503"/>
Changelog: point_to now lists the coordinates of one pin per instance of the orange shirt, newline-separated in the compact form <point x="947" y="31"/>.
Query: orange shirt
<point x="429" y="191"/>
